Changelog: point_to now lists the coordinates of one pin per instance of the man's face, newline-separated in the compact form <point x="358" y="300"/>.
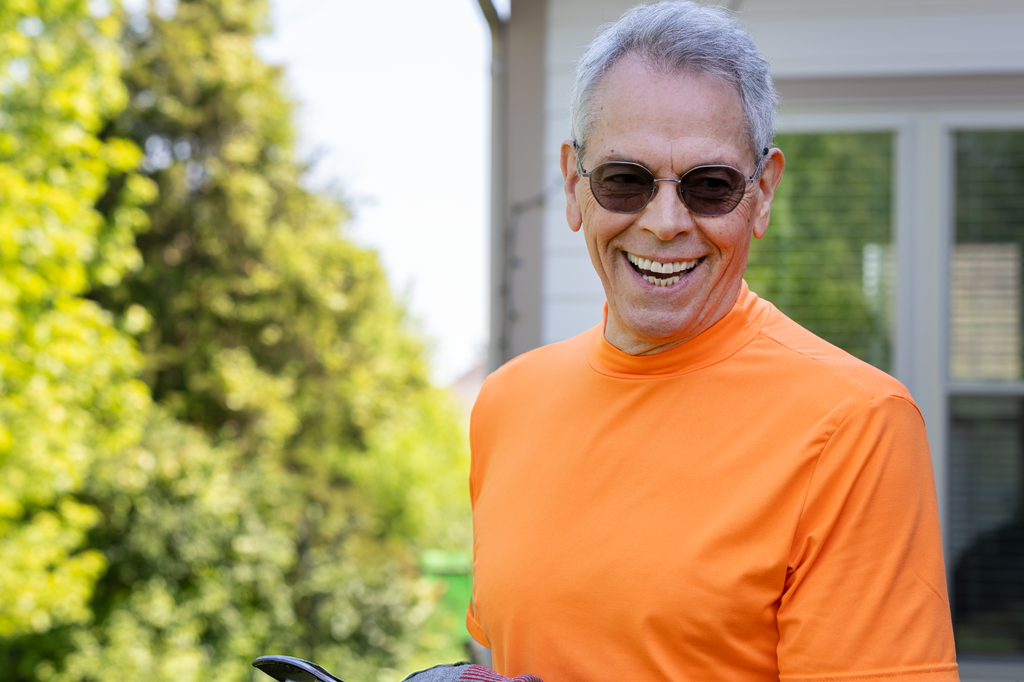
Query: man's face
<point x="670" y="123"/>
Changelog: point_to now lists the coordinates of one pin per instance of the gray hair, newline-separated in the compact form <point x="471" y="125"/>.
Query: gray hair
<point x="678" y="36"/>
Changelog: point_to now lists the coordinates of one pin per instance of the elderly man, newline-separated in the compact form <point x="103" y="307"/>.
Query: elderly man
<point x="697" y="488"/>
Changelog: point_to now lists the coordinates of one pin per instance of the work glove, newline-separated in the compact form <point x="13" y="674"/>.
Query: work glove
<point x="465" y="672"/>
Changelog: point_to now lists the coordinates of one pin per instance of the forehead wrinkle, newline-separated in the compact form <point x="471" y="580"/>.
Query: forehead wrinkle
<point x="713" y="160"/>
<point x="652" y="133"/>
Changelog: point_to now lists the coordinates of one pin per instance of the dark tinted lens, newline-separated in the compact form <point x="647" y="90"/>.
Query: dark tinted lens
<point x="712" y="190"/>
<point x="622" y="187"/>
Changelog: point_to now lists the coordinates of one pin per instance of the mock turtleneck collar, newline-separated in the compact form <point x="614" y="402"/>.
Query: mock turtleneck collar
<point x="720" y="341"/>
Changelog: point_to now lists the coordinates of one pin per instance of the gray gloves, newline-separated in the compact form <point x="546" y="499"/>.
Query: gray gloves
<point x="465" y="672"/>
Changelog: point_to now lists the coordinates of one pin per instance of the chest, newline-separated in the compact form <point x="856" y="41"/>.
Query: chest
<point x="643" y="513"/>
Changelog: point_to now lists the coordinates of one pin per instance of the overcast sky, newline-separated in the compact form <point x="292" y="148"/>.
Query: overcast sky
<point x="394" y="102"/>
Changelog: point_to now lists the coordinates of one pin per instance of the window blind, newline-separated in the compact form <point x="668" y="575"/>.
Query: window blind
<point x="827" y="258"/>
<point x="986" y="526"/>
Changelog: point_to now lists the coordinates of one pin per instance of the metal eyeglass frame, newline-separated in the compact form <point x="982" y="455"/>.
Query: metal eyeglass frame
<point x="678" y="181"/>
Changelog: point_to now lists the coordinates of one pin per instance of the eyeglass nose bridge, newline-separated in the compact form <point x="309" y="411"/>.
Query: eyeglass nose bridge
<point x="679" y="192"/>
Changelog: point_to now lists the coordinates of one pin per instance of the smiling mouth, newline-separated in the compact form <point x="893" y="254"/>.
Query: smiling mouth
<point x="662" y="274"/>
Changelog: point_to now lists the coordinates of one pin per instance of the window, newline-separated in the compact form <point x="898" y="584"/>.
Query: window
<point x="986" y="437"/>
<point x="827" y="259"/>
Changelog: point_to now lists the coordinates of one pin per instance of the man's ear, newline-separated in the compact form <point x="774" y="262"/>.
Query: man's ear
<point x="569" y="173"/>
<point x="774" y="165"/>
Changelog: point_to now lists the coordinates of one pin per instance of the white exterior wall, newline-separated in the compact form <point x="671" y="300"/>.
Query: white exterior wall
<point x="802" y="39"/>
<point x="815" y="38"/>
<point x="571" y="292"/>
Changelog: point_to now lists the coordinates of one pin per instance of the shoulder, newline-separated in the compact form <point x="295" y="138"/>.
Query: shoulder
<point x="520" y="397"/>
<point x="805" y="358"/>
<point x="528" y="375"/>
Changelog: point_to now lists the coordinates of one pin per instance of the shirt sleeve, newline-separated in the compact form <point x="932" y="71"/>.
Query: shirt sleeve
<point x="476" y="631"/>
<point x="865" y="593"/>
<point x="473" y="625"/>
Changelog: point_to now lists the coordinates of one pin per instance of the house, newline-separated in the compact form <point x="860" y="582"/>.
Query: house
<point x="903" y="125"/>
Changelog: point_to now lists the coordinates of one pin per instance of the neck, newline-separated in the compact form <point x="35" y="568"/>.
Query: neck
<point x="630" y="342"/>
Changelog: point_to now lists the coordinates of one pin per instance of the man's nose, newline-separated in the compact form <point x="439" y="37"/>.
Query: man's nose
<point x="666" y="215"/>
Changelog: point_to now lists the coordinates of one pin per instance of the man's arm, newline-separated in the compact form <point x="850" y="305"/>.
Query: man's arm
<point x="866" y="587"/>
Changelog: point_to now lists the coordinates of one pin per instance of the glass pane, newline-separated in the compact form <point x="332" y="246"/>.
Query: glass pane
<point x="827" y="259"/>
<point x="986" y="532"/>
<point x="985" y="299"/>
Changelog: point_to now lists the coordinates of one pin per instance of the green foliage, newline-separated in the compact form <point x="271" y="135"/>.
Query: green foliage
<point x="826" y="260"/>
<point x="275" y="495"/>
<point x="990" y="173"/>
<point x="269" y="328"/>
<point x="204" y="575"/>
<point x="68" y="392"/>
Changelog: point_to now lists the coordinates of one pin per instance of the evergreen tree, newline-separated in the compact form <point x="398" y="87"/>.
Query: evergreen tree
<point x="269" y="328"/>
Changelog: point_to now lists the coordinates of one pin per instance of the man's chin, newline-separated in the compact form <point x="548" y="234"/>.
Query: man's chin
<point x="653" y="326"/>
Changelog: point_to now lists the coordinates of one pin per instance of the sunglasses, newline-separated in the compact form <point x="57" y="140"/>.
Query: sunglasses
<point x="625" y="187"/>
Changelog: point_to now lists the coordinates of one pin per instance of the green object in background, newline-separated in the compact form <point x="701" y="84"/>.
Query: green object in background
<point x="453" y="569"/>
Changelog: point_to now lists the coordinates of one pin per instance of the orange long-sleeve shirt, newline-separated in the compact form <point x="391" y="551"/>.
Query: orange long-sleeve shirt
<point x="752" y="505"/>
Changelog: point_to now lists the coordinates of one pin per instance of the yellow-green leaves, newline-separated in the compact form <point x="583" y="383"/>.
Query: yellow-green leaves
<point x="273" y="492"/>
<point x="68" y="392"/>
<point x="43" y="580"/>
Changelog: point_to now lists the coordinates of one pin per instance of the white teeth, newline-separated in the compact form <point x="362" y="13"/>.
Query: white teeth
<point x="661" y="268"/>
<point x="658" y="282"/>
